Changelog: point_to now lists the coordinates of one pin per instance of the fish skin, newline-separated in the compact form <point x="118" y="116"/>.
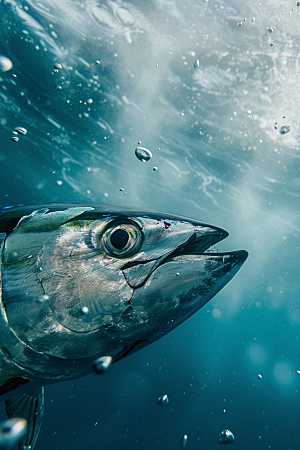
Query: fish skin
<point x="100" y="300"/>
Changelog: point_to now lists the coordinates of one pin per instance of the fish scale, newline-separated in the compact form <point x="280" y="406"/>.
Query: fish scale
<point x="98" y="299"/>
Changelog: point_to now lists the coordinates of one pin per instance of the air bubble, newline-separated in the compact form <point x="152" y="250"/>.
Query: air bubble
<point x="11" y="431"/>
<point x="163" y="400"/>
<point x="285" y="129"/>
<point x="57" y="66"/>
<point x="5" y="64"/>
<point x="197" y="64"/>
<point x="155" y="169"/>
<point x="14" y="139"/>
<point x="225" y="437"/>
<point x="84" y="310"/>
<point x="259" y="376"/>
<point x="59" y="182"/>
<point x="20" y="130"/>
<point x="101" y="365"/>
<point x="143" y="154"/>
<point x="183" y="441"/>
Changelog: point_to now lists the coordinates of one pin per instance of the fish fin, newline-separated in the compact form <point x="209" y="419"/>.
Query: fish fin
<point x="11" y="384"/>
<point x="43" y="220"/>
<point x="31" y="408"/>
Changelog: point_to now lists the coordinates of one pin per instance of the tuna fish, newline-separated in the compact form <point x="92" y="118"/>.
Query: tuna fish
<point x="80" y="282"/>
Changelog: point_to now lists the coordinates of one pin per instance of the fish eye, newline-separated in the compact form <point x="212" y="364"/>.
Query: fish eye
<point x="122" y="240"/>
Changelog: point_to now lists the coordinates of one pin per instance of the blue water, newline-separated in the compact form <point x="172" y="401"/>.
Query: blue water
<point x="209" y="83"/>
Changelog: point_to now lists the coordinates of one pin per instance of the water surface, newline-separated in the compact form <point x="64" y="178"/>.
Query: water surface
<point x="206" y="87"/>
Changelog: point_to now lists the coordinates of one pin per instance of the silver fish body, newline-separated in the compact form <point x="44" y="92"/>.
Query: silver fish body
<point x="80" y="282"/>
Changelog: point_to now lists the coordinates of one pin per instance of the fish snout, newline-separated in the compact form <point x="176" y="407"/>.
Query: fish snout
<point x="177" y="288"/>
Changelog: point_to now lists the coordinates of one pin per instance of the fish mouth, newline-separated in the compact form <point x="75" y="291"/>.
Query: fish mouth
<point x="176" y="286"/>
<point x="202" y="239"/>
<point x="198" y="244"/>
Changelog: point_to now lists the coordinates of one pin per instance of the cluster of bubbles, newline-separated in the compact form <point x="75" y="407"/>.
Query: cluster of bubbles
<point x="101" y="365"/>
<point x="284" y="129"/>
<point x="225" y="437"/>
<point x="164" y="401"/>
<point x="18" y="131"/>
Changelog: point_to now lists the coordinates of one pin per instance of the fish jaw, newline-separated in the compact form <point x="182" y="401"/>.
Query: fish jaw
<point x="178" y="288"/>
<point x="195" y="238"/>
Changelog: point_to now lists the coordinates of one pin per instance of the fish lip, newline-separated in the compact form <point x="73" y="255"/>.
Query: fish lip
<point x="238" y="256"/>
<point x="200" y="243"/>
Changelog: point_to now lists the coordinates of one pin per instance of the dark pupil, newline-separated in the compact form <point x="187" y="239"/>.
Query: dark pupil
<point x="119" y="239"/>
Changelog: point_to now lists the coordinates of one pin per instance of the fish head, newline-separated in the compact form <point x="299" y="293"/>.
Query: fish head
<point x="86" y="281"/>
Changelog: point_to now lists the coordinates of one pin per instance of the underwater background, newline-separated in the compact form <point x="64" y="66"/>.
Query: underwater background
<point x="212" y="89"/>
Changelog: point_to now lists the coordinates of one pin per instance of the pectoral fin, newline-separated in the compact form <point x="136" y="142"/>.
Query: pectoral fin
<point x="31" y="408"/>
